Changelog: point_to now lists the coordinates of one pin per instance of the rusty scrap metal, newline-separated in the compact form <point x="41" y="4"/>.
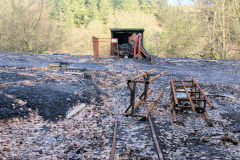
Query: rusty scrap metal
<point x="132" y="84"/>
<point x="157" y="76"/>
<point x="154" y="104"/>
<point x="228" y="139"/>
<point x="95" y="42"/>
<point x="143" y="74"/>
<point x="160" y="155"/>
<point x="146" y="78"/>
<point x="114" y="140"/>
<point x="205" y="96"/>
<point x="173" y="94"/>
<point x="141" y="99"/>
<point x="132" y="95"/>
<point x="195" y="96"/>
<point x="189" y="97"/>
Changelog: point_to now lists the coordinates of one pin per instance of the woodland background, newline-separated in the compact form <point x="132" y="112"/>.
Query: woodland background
<point x="209" y="28"/>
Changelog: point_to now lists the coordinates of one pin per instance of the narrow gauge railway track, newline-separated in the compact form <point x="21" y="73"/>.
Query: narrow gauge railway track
<point x="117" y="141"/>
<point x="195" y="96"/>
<point x="130" y="132"/>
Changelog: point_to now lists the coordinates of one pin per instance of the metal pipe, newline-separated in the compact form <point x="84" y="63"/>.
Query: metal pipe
<point x="154" y="104"/>
<point x="133" y="95"/>
<point x="173" y="92"/>
<point x="186" y="99"/>
<point x="141" y="100"/>
<point x="146" y="79"/>
<point x="143" y="74"/>
<point x="206" y="115"/>
<point x="157" y="76"/>
<point x="189" y="107"/>
<point x="189" y="97"/>
<point x="174" y="113"/>
<point x="209" y="102"/>
<point x="185" y="92"/>
<point x="114" y="141"/>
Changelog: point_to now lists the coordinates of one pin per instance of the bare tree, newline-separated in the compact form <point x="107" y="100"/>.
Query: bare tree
<point x="26" y="27"/>
<point x="219" y="20"/>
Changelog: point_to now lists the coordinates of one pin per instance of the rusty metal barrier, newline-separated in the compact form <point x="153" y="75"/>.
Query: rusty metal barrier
<point x="182" y="92"/>
<point x="144" y="78"/>
<point x="105" y="47"/>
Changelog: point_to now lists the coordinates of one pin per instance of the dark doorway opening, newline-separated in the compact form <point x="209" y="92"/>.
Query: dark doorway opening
<point x="123" y="40"/>
<point x="124" y="34"/>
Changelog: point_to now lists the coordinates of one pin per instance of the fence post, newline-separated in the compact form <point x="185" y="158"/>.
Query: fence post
<point x="95" y="42"/>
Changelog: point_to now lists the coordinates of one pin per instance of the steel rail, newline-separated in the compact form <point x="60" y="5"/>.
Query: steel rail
<point x="204" y="95"/>
<point x="188" y="91"/>
<point x="189" y="107"/>
<point x="160" y="155"/>
<point x="173" y="92"/>
<point x="193" y="99"/>
<point x="114" y="140"/>
<point x="174" y="113"/>
<point x="189" y="97"/>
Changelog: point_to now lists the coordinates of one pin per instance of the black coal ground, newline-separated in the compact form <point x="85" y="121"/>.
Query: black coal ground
<point x="50" y="97"/>
<point x="6" y="77"/>
<point x="106" y="93"/>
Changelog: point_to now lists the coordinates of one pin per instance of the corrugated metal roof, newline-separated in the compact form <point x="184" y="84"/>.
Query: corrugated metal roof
<point x="126" y="29"/>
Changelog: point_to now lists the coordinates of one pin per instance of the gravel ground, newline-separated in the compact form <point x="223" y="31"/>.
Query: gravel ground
<point x="36" y="94"/>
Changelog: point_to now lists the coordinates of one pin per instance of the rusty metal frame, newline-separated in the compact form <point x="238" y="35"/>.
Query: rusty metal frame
<point x="132" y="85"/>
<point x="195" y="96"/>
<point x="96" y="42"/>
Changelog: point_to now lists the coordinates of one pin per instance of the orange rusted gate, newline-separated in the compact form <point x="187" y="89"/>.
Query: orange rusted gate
<point x="95" y="41"/>
<point x="102" y="48"/>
